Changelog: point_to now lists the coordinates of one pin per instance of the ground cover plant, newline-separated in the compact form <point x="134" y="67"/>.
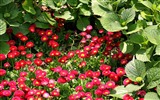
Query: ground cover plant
<point x="79" y="50"/>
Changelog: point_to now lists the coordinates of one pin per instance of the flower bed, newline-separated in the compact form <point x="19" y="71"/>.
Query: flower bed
<point x="79" y="50"/>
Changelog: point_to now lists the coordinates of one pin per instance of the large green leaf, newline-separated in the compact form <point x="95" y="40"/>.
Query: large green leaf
<point x="134" y="28"/>
<point x="4" y="37"/>
<point x="136" y="38"/>
<point x="153" y="34"/>
<point x="5" y="2"/>
<point x="82" y="23"/>
<point x="29" y="18"/>
<point x="72" y="2"/>
<point x="22" y="28"/>
<point x="126" y="47"/>
<point x="121" y="90"/>
<point x="4" y="48"/>
<point x="151" y="96"/>
<point x="3" y="27"/>
<point x="85" y="10"/>
<point x="28" y="6"/>
<point x="147" y="4"/>
<point x="135" y="69"/>
<point x="65" y="15"/>
<point x="84" y="1"/>
<point x="157" y="50"/>
<point x="128" y="15"/>
<point x="97" y="9"/>
<point x="46" y="18"/>
<point x="111" y="22"/>
<point x="153" y="77"/>
<point x="144" y="54"/>
<point x="42" y="25"/>
<point x="158" y="90"/>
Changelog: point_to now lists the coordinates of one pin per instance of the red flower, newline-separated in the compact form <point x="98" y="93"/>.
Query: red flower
<point x="44" y="38"/>
<point x="29" y="44"/>
<point x="61" y="80"/>
<point x="16" y="98"/>
<point x="24" y="38"/>
<point x="2" y="57"/>
<point x="89" y="85"/>
<point x="127" y="81"/>
<point x="63" y="73"/>
<point x="127" y="97"/>
<point x="120" y="71"/>
<point x="106" y="92"/>
<point x="6" y="93"/>
<point x="98" y="92"/>
<point x="38" y="62"/>
<point x="89" y="73"/>
<point x="78" y="88"/>
<point x="82" y="54"/>
<point x="110" y="84"/>
<point x="36" y="82"/>
<point x="53" y="43"/>
<point x="2" y="72"/>
<point x="48" y="32"/>
<point x="63" y="59"/>
<point x="55" y="37"/>
<point x="32" y="28"/>
<point x="19" y="93"/>
<point x="82" y="76"/>
<point x="55" y="93"/>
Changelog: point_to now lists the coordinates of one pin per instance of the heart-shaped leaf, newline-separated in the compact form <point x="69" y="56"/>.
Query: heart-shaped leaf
<point x="111" y="22"/>
<point x="151" y="96"/>
<point x="3" y="27"/>
<point x="135" y="69"/>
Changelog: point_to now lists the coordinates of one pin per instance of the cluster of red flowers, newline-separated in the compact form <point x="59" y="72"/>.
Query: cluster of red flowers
<point x="37" y="69"/>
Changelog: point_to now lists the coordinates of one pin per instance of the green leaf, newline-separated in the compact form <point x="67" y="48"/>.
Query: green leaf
<point x="128" y="15"/>
<point x="111" y="22"/>
<point x="153" y="77"/>
<point x="137" y="38"/>
<point x="134" y="69"/>
<point x="46" y="18"/>
<point x="85" y="10"/>
<point x="97" y="9"/>
<point x="133" y="28"/>
<point x="84" y="1"/>
<point x="82" y="23"/>
<point x="72" y="2"/>
<point x="5" y="48"/>
<point x="22" y="28"/>
<point x="158" y="90"/>
<point x="144" y="54"/>
<point x="29" y="18"/>
<point x="133" y="88"/>
<point x="147" y="4"/>
<point x="126" y="47"/>
<point x="120" y="91"/>
<point x="50" y="3"/>
<point x="42" y="25"/>
<point x="151" y="96"/>
<point x="59" y="3"/>
<point x="157" y="50"/>
<point x="5" y="2"/>
<point x="13" y="23"/>
<point x="65" y="15"/>
<point x="4" y="37"/>
<point x="152" y="33"/>
<point x="28" y="6"/>
<point x="3" y="27"/>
